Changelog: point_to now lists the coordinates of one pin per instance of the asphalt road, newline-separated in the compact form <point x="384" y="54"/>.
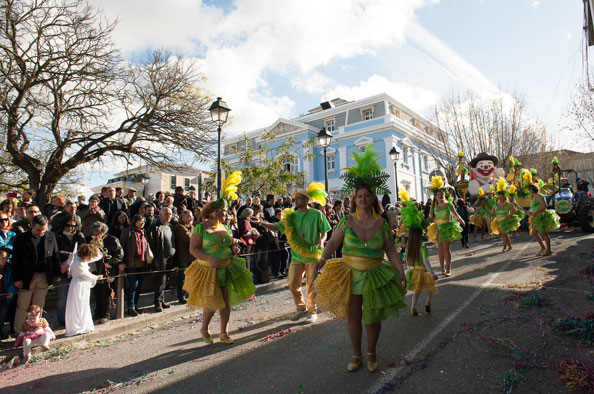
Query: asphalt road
<point x="271" y="354"/>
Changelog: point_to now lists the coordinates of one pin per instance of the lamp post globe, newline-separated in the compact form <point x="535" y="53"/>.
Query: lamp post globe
<point x="324" y="138"/>
<point x="219" y="112"/>
<point x="394" y="154"/>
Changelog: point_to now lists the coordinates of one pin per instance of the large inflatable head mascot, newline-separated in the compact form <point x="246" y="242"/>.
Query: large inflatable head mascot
<point x="484" y="173"/>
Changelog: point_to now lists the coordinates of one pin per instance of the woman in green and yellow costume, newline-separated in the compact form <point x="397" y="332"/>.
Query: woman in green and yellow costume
<point x="478" y="219"/>
<point x="442" y="230"/>
<point x="504" y="212"/>
<point x="217" y="280"/>
<point x="420" y="277"/>
<point x="361" y="285"/>
<point x="542" y="220"/>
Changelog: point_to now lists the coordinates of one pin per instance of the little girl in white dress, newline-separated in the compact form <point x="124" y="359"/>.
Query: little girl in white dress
<point x="79" y="319"/>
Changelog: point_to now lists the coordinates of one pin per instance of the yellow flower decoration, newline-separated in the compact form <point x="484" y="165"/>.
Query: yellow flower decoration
<point x="404" y="196"/>
<point x="501" y="184"/>
<point x="437" y="183"/>
<point x="512" y="189"/>
<point x="481" y="193"/>
<point x="527" y="176"/>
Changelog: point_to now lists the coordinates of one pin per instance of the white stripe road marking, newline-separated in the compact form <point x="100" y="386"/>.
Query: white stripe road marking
<point x="437" y="330"/>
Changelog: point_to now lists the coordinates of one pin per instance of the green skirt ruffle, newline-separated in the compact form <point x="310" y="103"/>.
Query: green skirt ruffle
<point x="508" y="224"/>
<point x="546" y="221"/>
<point x="382" y="293"/>
<point x="520" y="213"/>
<point x="449" y="232"/>
<point x="238" y="281"/>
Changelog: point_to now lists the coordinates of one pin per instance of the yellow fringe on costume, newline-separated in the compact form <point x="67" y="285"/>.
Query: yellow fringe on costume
<point x="495" y="225"/>
<point x="336" y="290"/>
<point x="401" y="230"/>
<point x="432" y="232"/>
<point x="422" y="281"/>
<point x="476" y="220"/>
<point x="202" y="285"/>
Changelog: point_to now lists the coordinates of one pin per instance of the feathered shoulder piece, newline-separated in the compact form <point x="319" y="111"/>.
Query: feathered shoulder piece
<point x="411" y="216"/>
<point x="365" y="172"/>
<point x="437" y="184"/>
<point x="229" y="189"/>
<point x="317" y="193"/>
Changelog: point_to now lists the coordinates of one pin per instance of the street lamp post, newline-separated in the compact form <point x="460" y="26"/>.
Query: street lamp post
<point x="324" y="138"/>
<point x="394" y="156"/>
<point x="219" y="112"/>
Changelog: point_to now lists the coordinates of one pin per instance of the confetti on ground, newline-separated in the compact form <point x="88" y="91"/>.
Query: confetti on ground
<point x="577" y="375"/>
<point x="279" y="334"/>
<point x="574" y="326"/>
<point x="533" y="284"/>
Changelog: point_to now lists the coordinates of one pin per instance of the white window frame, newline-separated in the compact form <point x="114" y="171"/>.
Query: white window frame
<point x="330" y="124"/>
<point x="405" y="154"/>
<point x="187" y="183"/>
<point x="294" y="165"/>
<point x="172" y="182"/>
<point x="331" y="162"/>
<point x="361" y="148"/>
<point x="366" y="111"/>
<point x="425" y="163"/>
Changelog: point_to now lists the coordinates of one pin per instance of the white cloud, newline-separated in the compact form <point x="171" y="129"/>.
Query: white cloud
<point x="535" y="3"/>
<point x="566" y="34"/>
<point x="417" y="98"/>
<point x="238" y="48"/>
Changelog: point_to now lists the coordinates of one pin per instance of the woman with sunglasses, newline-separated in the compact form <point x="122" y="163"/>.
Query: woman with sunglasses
<point x="68" y="235"/>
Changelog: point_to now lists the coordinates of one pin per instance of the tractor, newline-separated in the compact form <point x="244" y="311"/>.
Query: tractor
<point x="574" y="208"/>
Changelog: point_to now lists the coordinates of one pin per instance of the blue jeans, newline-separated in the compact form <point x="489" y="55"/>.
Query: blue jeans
<point x="134" y="284"/>
<point x="61" y="295"/>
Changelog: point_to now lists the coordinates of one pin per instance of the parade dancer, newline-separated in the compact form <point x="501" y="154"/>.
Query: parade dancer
<point x="305" y="229"/>
<point x="479" y="219"/>
<point x="361" y="285"/>
<point x="420" y="277"/>
<point x="505" y="218"/>
<point x="542" y="220"/>
<point x="442" y="230"/>
<point x="217" y="280"/>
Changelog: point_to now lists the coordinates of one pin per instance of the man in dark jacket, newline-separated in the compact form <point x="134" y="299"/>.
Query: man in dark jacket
<point x="112" y="204"/>
<point x="36" y="264"/>
<point x="24" y="225"/>
<point x="162" y="242"/>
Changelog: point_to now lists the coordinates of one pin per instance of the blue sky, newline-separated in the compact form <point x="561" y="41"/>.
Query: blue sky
<point x="271" y="59"/>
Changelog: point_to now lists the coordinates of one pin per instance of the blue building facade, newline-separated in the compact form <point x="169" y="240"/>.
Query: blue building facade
<point x="379" y="119"/>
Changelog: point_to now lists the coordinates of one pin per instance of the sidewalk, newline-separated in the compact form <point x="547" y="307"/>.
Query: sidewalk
<point x="121" y="326"/>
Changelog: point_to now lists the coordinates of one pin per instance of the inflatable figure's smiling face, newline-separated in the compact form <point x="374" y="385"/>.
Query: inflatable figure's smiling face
<point x="485" y="169"/>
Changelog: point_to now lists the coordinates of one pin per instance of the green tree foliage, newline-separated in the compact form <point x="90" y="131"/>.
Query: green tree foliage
<point x="269" y="166"/>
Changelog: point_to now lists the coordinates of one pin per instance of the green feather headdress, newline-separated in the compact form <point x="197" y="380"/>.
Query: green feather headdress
<point x="411" y="216"/>
<point x="365" y="173"/>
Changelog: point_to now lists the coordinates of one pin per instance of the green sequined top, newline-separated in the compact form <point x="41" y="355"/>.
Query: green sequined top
<point x="354" y="246"/>
<point x="213" y="245"/>
<point x="442" y="213"/>
<point x="535" y="204"/>
<point x="503" y="211"/>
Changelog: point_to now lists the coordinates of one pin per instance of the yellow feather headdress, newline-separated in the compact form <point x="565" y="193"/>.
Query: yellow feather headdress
<point x="316" y="193"/>
<point x="437" y="184"/>
<point x="481" y="193"/>
<point x="229" y="189"/>
<point x="512" y="190"/>
<point x="502" y="186"/>
<point x="404" y="196"/>
<point x="527" y="176"/>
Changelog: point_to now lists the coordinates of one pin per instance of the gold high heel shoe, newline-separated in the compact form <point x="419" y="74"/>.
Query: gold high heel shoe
<point x="355" y="363"/>
<point x="372" y="365"/>
<point x="206" y="337"/>
<point x="225" y="338"/>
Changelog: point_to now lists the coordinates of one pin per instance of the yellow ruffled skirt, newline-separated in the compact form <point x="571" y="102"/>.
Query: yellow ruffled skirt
<point x="203" y="283"/>
<point x="418" y="279"/>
